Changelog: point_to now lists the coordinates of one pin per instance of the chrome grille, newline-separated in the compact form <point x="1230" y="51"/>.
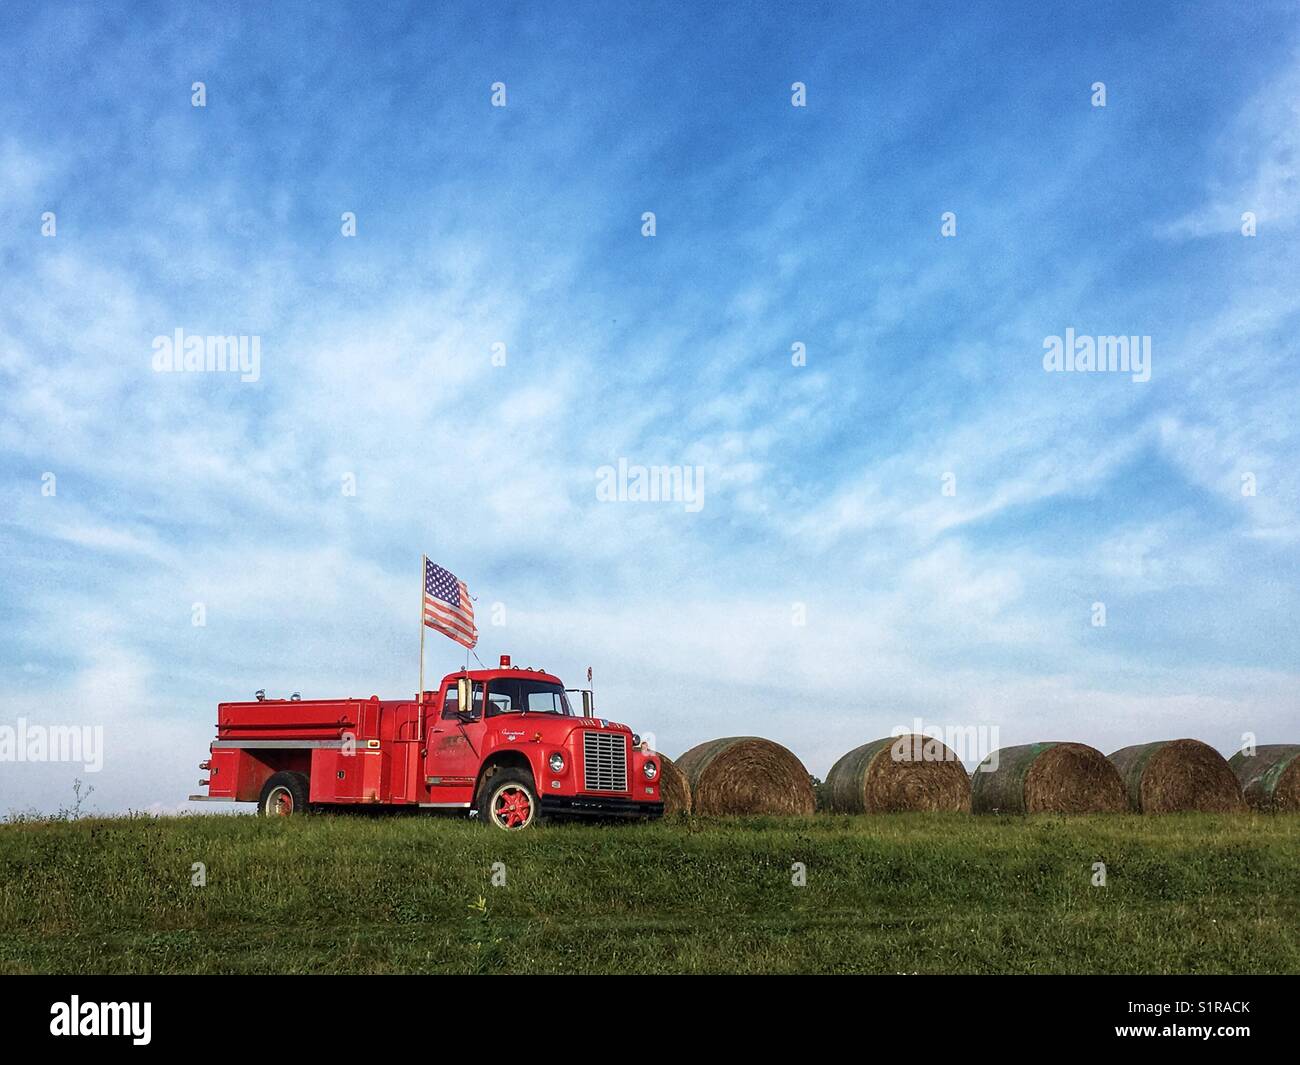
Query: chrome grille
<point x="604" y="761"/>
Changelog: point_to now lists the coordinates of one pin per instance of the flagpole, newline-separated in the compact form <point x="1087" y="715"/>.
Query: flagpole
<point x="424" y="569"/>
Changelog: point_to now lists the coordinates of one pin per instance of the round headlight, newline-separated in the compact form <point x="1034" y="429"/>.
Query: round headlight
<point x="557" y="762"/>
<point x="650" y="770"/>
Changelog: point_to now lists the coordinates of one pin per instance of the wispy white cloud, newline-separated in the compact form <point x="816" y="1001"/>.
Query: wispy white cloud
<point x="1255" y="166"/>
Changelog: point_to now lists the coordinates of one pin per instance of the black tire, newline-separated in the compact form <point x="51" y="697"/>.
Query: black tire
<point x="499" y="798"/>
<point x="284" y="795"/>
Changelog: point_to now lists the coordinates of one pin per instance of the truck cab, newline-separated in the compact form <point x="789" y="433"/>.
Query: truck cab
<point x="508" y="743"/>
<point x="505" y="744"/>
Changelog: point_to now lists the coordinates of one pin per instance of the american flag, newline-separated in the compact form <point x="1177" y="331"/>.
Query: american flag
<point x="447" y="605"/>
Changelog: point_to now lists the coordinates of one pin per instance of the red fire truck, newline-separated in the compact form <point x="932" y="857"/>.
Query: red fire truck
<point x="504" y="744"/>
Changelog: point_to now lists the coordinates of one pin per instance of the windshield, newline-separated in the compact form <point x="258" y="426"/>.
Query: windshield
<point x="513" y="695"/>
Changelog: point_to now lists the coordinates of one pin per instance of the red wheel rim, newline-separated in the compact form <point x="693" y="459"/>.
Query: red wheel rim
<point x="512" y="807"/>
<point x="281" y="802"/>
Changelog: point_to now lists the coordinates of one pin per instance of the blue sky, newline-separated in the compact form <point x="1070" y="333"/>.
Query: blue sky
<point x="521" y="225"/>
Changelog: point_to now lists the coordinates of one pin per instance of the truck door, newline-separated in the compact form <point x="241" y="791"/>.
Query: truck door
<point x="455" y="747"/>
<point x="404" y="748"/>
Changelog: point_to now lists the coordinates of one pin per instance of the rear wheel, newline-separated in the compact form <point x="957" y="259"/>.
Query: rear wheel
<point x="283" y="795"/>
<point x="508" y="800"/>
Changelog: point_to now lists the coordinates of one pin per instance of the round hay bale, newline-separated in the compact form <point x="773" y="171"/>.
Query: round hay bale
<point x="1055" y="778"/>
<point x="1172" y="775"/>
<point x="896" y="774"/>
<point x="746" y="775"/>
<point x="1270" y="778"/>
<point x="674" y="788"/>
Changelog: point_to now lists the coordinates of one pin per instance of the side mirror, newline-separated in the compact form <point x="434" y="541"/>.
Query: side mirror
<point x="586" y="703"/>
<point x="463" y="694"/>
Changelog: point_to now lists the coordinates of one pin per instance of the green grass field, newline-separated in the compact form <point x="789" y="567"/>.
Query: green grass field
<point x="904" y="893"/>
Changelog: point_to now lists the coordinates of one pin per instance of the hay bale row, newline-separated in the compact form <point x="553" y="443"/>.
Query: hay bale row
<point x="1270" y="778"/>
<point x="897" y="774"/>
<point x="1059" y="778"/>
<point x="746" y="775"/>
<point x="1169" y="776"/>
<point x="749" y="775"/>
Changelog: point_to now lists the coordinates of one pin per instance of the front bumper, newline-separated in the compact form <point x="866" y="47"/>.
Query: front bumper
<point x="599" y="806"/>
